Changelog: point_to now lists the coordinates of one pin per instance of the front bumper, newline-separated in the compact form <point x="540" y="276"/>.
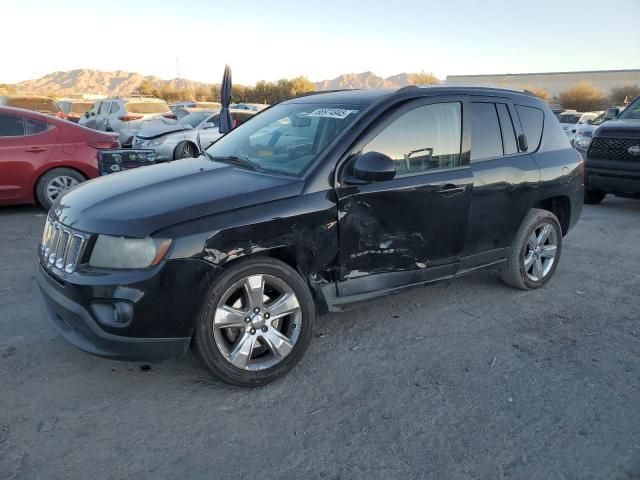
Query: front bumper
<point x="162" y="314"/>
<point x="613" y="176"/>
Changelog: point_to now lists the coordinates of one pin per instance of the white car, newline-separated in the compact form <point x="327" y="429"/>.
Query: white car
<point x="128" y="115"/>
<point x="570" y="121"/>
<point x="188" y="137"/>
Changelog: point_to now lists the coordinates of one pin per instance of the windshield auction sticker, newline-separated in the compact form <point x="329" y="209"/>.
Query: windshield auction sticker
<point x="331" y="113"/>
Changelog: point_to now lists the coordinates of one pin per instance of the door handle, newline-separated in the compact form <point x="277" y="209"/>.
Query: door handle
<point x="450" y="189"/>
<point x="36" y="149"/>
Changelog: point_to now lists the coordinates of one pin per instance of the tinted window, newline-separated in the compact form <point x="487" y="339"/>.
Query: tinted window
<point x="33" y="127"/>
<point x="508" y="133"/>
<point x="114" y="107"/>
<point x="104" y="108"/>
<point x="11" y="126"/>
<point x="423" y="138"/>
<point x="632" y="112"/>
<point x="486" y="141"/>
<point x="531" y="119"/>
<point x="568" y="118"/>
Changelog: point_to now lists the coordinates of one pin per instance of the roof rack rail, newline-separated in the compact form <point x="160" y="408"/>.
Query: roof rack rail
<point x="317" y="92"/>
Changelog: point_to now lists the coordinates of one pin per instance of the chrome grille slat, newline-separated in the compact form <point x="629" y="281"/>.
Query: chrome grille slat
<point x="61" y="247"/>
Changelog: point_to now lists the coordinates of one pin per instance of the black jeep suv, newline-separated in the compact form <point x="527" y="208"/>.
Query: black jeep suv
<point x="313" y="204"/>
<point x="612" y="157"/>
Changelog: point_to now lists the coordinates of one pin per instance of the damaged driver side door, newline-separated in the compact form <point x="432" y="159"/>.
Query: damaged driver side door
<point x="409" y="229"/>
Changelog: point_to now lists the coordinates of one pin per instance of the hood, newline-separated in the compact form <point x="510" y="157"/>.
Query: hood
<point x="153" y="132"/>
<point x="142" y="201"/>
<point x="619" y="129"/>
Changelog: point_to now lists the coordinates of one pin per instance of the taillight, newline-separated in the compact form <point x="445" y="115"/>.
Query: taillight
<point x="128" y="118"/>
<point x="172" y="116"/>
<point x="60" y="115"/>
<point x="105" y="145"/>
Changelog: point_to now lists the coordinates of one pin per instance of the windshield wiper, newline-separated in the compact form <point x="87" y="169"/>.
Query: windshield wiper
<point x="241" y="161"/>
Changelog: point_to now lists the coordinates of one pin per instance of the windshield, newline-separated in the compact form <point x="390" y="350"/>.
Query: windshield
<point x="194" y="119"/>
<point x="147" y="107"/>
<point x="286" y="138"/>
<point x="569" y="118"/>
<point x="632" y="112"/>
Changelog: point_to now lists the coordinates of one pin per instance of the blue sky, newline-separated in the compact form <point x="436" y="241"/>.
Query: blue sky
<point x="272" y="39"/>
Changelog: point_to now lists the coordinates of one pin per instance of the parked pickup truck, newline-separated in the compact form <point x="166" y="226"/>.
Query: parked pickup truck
<point x="612" y="157"/>
<point x="317" y="203"/>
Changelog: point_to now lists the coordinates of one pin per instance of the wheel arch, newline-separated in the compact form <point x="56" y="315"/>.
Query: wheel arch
<point x="44" y="171"/>
<point x="560" y="206"/>
<point x="182" y="142"/>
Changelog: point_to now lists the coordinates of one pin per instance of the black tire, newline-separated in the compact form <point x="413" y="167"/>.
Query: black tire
<point x="47" y="180"/>
<point x="513" y="272"/>
<point x="185" y="150"/>
<point x="593" y="197"/>
<point x="205" y="345"/>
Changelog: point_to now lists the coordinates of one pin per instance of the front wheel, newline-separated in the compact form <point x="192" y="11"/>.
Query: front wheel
<point x="256" y="323"/>
<point x="185" y="150"/>
<point x="535" y="251"/>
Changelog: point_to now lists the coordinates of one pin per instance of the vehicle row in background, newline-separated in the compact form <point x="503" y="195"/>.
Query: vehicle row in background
<point x="571" y="121"/>
<point x="41" y="156"/>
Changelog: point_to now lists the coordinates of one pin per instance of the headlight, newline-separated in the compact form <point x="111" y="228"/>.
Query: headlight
<point x="123" y="253"/>
<point x="158" y="141"/>
<point x="582" y="142"/>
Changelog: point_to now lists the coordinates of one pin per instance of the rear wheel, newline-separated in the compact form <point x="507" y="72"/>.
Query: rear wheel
<point x="593" y="197"/>
<point x="256" y="323"/>
<point x="535" y="251"/>
<point x="54" y="183"/>
<point x="185" y="150"/>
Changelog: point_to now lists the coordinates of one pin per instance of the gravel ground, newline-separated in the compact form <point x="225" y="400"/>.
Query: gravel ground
<point x="466" y="380"/>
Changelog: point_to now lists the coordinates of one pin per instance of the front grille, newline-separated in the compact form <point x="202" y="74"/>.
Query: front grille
<point x="613" y="149"/>
<point x="61" y="246"/>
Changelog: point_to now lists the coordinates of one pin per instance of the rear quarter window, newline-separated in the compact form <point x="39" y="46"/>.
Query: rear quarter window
<point x="532" y="120"/>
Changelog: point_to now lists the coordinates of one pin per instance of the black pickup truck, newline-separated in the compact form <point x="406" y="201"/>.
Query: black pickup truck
<point x="612" y="157"/>
<point x="313" y="204"/>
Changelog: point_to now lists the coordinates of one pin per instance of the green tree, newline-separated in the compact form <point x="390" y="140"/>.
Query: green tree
<point x="423" y="78"/>
<point x="620" y="95"/>
<point x="583" y="97"/>
<point x="6" y="89"/>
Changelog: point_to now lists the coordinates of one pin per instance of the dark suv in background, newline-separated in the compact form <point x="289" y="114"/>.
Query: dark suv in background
<point x="612" y="157"/>
<point x="313" y="204"/>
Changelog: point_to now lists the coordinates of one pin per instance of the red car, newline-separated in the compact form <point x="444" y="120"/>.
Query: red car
<point x="42" y="156"/>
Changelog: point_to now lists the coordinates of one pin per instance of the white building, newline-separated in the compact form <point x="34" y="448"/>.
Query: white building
<point x="553" y="82"/>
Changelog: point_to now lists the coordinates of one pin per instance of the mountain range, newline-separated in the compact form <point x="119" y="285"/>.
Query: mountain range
<point x="121" y="83"/>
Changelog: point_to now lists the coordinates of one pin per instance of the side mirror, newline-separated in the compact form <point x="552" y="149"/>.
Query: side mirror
<point x="86" y="114"/>
<point x="522" y="143"/>
<point x="93" y="114"/>
<point x="374" y="167"/>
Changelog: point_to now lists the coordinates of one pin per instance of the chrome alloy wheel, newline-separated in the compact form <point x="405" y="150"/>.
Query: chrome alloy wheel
<point x="257" y="322"/>
<point x="540" y="252"/>
<point x="59" y="185"/>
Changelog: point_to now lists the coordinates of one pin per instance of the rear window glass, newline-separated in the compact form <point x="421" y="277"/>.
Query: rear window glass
<point x="11" y="126"/>
<point x="531" y="119"/>
<point x="147" y="107"/>
<point x="486" y="141"/>
<point x="81" y="107"/>
<point x="43" y="105"/>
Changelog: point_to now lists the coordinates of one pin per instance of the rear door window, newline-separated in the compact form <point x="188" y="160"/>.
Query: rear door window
<point x="486" y="139"/>
<point x="11" y="126"/>
<point x="532" y="120"/>
<point x="508" y="133"/>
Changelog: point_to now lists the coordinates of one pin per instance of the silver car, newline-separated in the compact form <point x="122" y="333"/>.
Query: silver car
<point x="187" y="138"/>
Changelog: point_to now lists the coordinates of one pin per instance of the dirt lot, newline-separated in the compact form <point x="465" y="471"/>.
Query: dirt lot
<point x="470" y="380"/>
